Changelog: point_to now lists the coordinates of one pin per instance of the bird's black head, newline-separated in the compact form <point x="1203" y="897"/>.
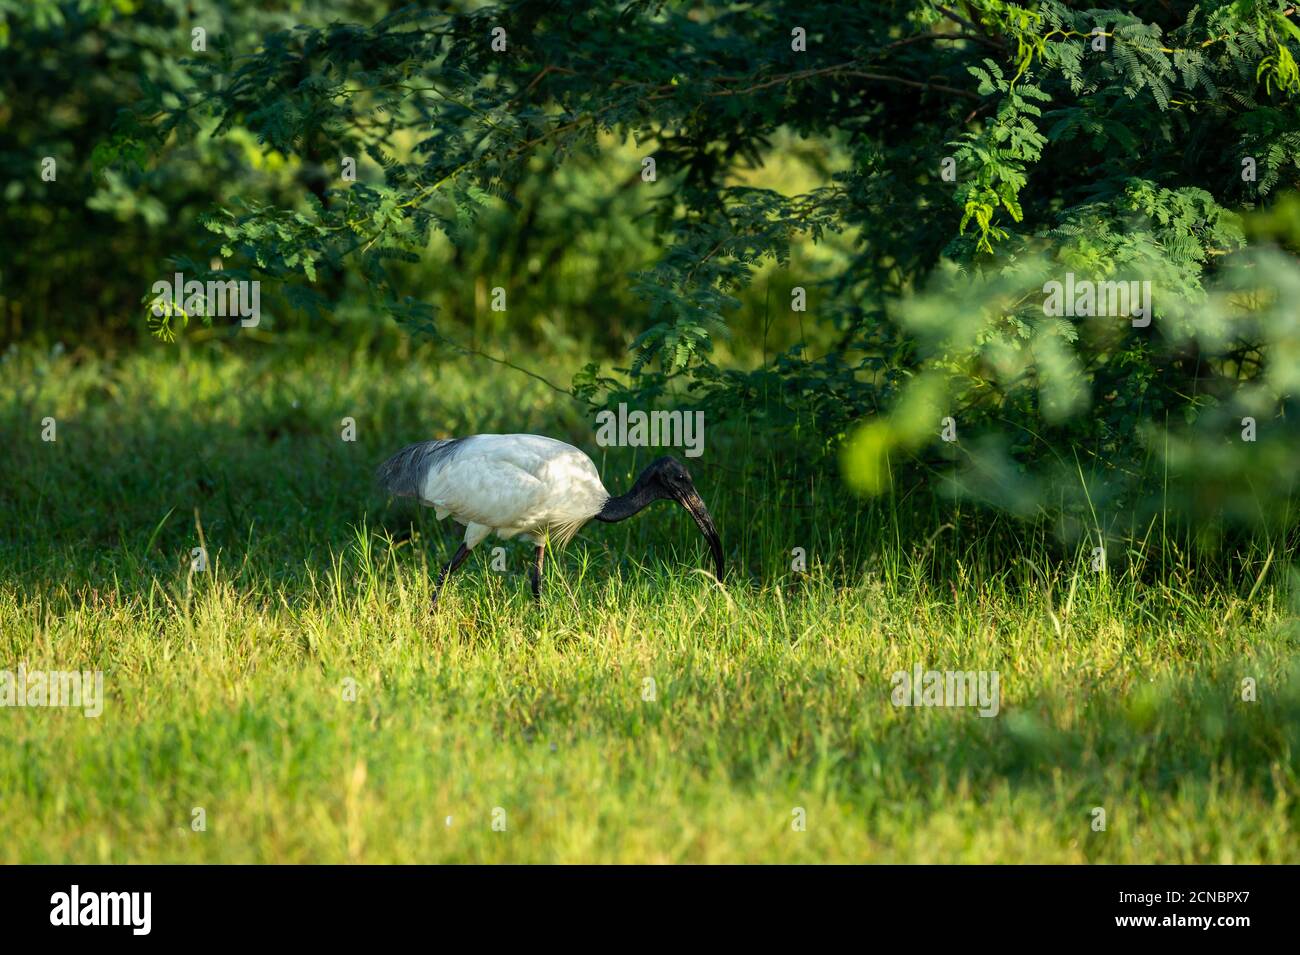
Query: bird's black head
<point x="667" y="477"/>
<point x="668" y="474"/>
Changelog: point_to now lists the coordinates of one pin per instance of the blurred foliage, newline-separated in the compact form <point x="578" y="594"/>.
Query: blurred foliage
<point x="972" y="153"/>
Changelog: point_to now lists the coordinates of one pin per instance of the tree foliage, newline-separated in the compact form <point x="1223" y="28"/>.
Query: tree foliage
<point x="1150" y="143"/>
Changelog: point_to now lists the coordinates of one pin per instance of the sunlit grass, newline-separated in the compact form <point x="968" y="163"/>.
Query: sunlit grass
<point x="230" y="690"/>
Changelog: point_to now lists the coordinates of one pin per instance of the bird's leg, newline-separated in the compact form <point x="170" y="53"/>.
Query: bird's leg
<point x="536" y="575"/>
<point x="457" y="559"/>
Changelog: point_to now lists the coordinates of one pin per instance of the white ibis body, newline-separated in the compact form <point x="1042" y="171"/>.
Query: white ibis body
<point x="527" y="484"/>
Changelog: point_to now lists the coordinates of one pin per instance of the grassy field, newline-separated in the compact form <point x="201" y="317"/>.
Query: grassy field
<point x="231" y="690"/>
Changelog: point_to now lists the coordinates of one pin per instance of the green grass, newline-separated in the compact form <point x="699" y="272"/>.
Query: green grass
<point x="225" y="689"/>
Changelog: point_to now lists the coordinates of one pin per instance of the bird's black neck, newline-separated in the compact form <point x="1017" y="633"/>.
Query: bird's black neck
<point x="624" y="506"/>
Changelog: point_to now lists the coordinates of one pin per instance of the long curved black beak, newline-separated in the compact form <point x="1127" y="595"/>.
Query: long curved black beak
<point x="691" y="500"/>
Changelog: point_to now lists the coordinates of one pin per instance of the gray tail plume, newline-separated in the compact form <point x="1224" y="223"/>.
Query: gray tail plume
<point x="404" y="474"/>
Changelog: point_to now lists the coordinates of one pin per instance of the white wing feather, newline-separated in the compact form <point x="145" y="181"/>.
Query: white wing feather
<point x="517" y="483"/>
